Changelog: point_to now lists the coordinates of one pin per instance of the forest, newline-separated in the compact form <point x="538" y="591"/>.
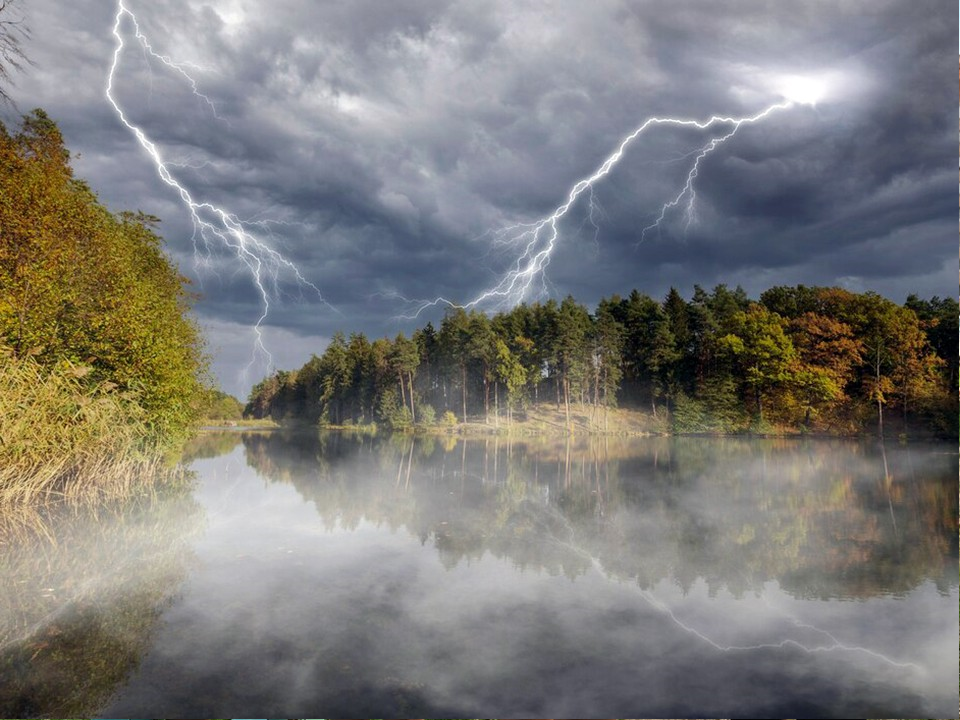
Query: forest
<point x="798" y="359"/>
<point x="101" y="365"/>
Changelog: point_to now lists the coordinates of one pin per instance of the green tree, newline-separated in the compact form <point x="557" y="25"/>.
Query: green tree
<point x="336" y="379"/>
<point x="453" y="339"/>
<point x="608" y="335"/>
<point x="650" y="354"/>
<point x="678" y="321"/>
<point x="940" y="320"/>
<point x="405" y="359"/>
<point x="900" y="365"/>
<point x="543" y="333"/>
<point x="764" y="352"/>
<point x="428" y="347"/>
<point x="82" y="285"/>
<point x="571" y="349"/>
<point x="792" y="302"/>
<point x="511" y="373"/>
<point x="218" y="405"/>
<point x="704" y="333"/>
<point x="482" y="351"/>
<point x="362" y="391"/>
<point x="261" y="398"/>
<point x="726" y="304"/>
<point x="381" y="377"/>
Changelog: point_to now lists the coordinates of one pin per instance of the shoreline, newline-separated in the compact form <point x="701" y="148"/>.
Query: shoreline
<point x="541" y="422"/>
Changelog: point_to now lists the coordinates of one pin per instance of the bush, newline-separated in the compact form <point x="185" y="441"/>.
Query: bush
<point x="395" y="415"/>
<point x="449" y="420"/>
<point x="689" y="415"/>
<point x="719" y="413"/>
<point x="426" y="415"/>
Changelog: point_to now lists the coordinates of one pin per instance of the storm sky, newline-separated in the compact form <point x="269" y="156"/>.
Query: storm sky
<point x="381" y="145"/>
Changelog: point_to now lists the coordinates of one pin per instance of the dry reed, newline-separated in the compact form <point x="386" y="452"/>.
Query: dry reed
<point x="65" y="436"/>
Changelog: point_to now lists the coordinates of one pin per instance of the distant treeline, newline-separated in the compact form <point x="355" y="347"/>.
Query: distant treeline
<point x="810" y="358"/>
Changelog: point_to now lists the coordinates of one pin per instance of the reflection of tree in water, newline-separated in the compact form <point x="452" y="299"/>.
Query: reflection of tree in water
<point x="832" y="525"/>
<point x="210" y="444"/>
<point x="82" y="592"/>
<point x="821" y="518"/>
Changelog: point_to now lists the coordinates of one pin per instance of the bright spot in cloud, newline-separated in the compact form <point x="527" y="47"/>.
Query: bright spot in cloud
<point x="801" y="89"/>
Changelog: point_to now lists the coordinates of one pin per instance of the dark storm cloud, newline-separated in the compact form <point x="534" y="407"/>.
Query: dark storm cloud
<point x="382" y="140"/>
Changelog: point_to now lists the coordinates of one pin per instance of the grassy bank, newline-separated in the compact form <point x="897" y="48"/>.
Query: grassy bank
<point x="243" y="424"/>
<point x="547" y="420"/>
<point x="63" y="435"/>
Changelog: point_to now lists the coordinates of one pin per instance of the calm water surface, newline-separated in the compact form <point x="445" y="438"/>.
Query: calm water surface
<point x="350" y="576"/>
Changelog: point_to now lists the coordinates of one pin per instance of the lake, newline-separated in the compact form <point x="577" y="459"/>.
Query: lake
<point x="344" y="575"/>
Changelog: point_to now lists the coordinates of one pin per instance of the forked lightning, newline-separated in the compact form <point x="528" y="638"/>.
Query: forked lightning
<point x="213" y="225"/>
<point x="534" y="241"/>
<point x="539" y="238"/>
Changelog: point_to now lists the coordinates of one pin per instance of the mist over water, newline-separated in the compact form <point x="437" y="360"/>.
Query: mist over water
<point x="352" y="576"/>
<point x="82" y="591"/>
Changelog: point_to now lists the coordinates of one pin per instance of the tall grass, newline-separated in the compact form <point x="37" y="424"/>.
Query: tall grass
<point x="63" y="435"/>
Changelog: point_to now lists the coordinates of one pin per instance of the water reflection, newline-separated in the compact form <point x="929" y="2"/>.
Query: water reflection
<point x="347" y="575"/>
<point x="823" y="519"/>
<point x="82" y="592"/>
<point x="355" y="576"/>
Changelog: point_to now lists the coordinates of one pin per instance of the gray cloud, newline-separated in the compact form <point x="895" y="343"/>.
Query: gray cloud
<point x="382" y="140"/>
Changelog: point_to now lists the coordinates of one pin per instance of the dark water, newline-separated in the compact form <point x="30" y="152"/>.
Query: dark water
<point x="351" y="576"/>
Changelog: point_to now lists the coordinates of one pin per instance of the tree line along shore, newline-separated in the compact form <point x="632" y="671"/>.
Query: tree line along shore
<point x="797" y="359"/>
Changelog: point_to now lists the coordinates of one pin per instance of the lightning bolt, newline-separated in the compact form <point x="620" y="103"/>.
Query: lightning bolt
<point x="212" y="225"/>
<point x="534" y="242"/>
<point x="832" y="643"/>
<point x="688" y="190"/>
<point x="594" y="213"/>
<point x="538" y="239"/>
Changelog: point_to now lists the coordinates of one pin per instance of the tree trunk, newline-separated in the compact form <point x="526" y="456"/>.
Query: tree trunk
<point x="413" y="414"/>
<point x="879" y="395"/>
<point x="486" y="398"/>
<point x="606" y="403"/>
<point x="463" y="370"/>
